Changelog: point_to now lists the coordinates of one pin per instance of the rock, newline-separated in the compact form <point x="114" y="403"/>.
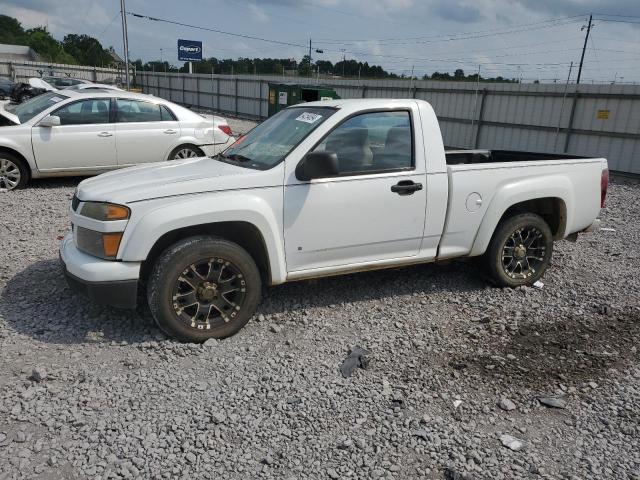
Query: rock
<point x="452" y="474"/>
<point x="506" y="404"/>
<point x="211" y="342"/>
<point x="191" y="458"/>
<point x="357" y="357"/>
<point x="512" y="443"/>
<point x="332" y="473"/>
<point x="218" y="417"/>
<point x="275" y="328"/>
<point x="39" y="373"/>
<point x="553" y="402"/>
<point x="423" y="434"/>
<point x="261" y="318"/>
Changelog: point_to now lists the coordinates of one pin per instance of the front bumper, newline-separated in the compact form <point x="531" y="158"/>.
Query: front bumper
<point x="103" y="281"/>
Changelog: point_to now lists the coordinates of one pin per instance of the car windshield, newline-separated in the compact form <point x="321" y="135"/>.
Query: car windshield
<point x="270" y="142"/>
<point x="29" y="109"/>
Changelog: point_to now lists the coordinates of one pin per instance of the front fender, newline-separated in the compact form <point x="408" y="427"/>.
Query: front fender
<point x="19" y="142"/>
<point x="517" y="191"/>
<point x="262" y="208"/>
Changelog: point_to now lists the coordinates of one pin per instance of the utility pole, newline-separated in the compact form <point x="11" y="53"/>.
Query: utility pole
<point x="125" y="41"/>
<point x="344" y="59"/>
<point x="584" y="48"/>
<point x="564" y="96"/>
<point x="310" y="73"/>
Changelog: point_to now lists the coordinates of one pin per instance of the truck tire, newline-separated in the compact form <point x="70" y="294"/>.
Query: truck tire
<point x="14" y="173"/>
<point x="203" y="287"/>
<point x="519" y="251"/>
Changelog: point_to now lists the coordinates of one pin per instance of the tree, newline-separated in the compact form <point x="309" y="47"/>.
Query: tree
<point x="11" y="31"/>
<point x="86" y="50"/>
<point x="48" y="47"/>
<point x="304" y="67"/>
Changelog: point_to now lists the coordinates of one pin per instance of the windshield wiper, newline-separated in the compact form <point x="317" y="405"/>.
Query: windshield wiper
<point x="237" y="157"/>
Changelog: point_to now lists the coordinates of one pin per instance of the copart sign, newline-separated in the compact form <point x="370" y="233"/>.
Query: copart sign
<point x="189" y="50"/>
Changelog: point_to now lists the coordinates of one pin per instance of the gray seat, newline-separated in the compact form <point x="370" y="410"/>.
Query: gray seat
<point x="397" y="149"/>
<point x="351" y="145"/>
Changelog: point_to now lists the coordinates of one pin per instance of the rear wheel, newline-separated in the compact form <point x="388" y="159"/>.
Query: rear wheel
<point x="520" y="251"/>
<point x="203" y="287"/>
<point x="13" y="172"/>
<point x="185" y="151"/>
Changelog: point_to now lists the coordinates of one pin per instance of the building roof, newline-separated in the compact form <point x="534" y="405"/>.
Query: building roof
<point x="116" y="58"/>
<point x="18" y="52"/>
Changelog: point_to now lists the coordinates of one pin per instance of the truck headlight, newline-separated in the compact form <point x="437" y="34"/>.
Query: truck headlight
<point x="105" y="211"/>
<point x="98" y="244"/>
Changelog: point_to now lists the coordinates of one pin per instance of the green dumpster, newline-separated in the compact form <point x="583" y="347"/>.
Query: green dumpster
<point x="282" y="95"/>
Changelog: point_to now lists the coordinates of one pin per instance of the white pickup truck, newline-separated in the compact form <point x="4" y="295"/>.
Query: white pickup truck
<point x="321" y="188"/>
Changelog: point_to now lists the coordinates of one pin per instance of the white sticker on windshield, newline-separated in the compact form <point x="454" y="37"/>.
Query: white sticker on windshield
<point x="55" y="99"/>
<point x="309" y="117"/>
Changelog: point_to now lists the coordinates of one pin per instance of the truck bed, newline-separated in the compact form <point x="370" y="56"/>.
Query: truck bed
<point x="466" y="157"/>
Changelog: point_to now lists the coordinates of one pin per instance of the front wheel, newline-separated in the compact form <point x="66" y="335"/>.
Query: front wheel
<point x="203" y="287"/>
<point x="13" y="173"/>
<point x="519" y="251"/>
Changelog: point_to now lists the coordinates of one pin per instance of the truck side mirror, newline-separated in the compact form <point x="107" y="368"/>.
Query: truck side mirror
<point x="50" y="121"/>
<point x="317" y="165"/>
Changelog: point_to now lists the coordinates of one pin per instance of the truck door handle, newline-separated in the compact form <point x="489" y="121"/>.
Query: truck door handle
<point x="406" y="187"/>
<point x="105" y="134"/>
<point x="170" y="131"/>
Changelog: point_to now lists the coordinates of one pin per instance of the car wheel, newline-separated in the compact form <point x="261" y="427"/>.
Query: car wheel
<point x="203" y="287"/>
<point x="519" y="251"/>
<point x="185" y="151"/>
<point x="13" y="172"/>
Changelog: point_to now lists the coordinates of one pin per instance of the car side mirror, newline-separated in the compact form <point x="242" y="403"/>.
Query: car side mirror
<point x="50" y="121"/>
<point x="317" y="165"/>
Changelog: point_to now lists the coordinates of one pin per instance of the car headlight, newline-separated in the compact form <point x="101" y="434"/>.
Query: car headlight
<point x="101" y="244"/>
<point x="105" y="211"/>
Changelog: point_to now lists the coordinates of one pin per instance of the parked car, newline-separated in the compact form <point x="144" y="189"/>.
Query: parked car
<point x="37" y="86"/>
<point x="88" y="132"/>
<point x="321" y="188"/>
<point x="92" y="86"/>
<point x="6" y="85"/>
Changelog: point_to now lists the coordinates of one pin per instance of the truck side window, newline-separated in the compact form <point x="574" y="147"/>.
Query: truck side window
<point x="372" y="142"/>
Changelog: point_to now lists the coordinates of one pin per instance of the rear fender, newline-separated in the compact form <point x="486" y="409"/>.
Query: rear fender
<point x="521" y="190"/>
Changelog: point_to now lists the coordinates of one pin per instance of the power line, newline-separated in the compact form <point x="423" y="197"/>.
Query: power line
<point x="462" y="35"/>
<point x="222" y="32"/>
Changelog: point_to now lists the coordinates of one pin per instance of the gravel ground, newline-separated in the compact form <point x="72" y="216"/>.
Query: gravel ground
<point x="454" y="386"/>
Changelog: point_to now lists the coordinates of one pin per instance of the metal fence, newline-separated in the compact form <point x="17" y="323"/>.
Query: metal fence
<point x="590" y="120"/>
<point x="20" y="71"/>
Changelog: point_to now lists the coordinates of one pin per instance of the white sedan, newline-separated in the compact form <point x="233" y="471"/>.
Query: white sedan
<point x="65" y="133"/>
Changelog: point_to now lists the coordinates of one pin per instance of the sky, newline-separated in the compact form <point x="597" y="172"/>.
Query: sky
<point x="528" y="39"/>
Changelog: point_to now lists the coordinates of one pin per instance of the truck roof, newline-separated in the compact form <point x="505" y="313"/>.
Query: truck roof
<point x="362" y="102"/>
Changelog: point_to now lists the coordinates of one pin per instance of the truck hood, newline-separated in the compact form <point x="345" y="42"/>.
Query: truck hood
<point x="171" y="178"/>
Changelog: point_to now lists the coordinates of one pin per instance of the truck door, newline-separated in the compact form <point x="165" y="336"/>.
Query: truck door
<point x="374" y="209"/>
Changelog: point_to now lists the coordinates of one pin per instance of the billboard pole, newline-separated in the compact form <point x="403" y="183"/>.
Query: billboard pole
<point x="125" y="41"/>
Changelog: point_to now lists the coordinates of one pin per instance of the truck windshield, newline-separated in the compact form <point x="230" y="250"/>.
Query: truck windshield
<point x="270" y="142"/>
<point x="29" y="109"/>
